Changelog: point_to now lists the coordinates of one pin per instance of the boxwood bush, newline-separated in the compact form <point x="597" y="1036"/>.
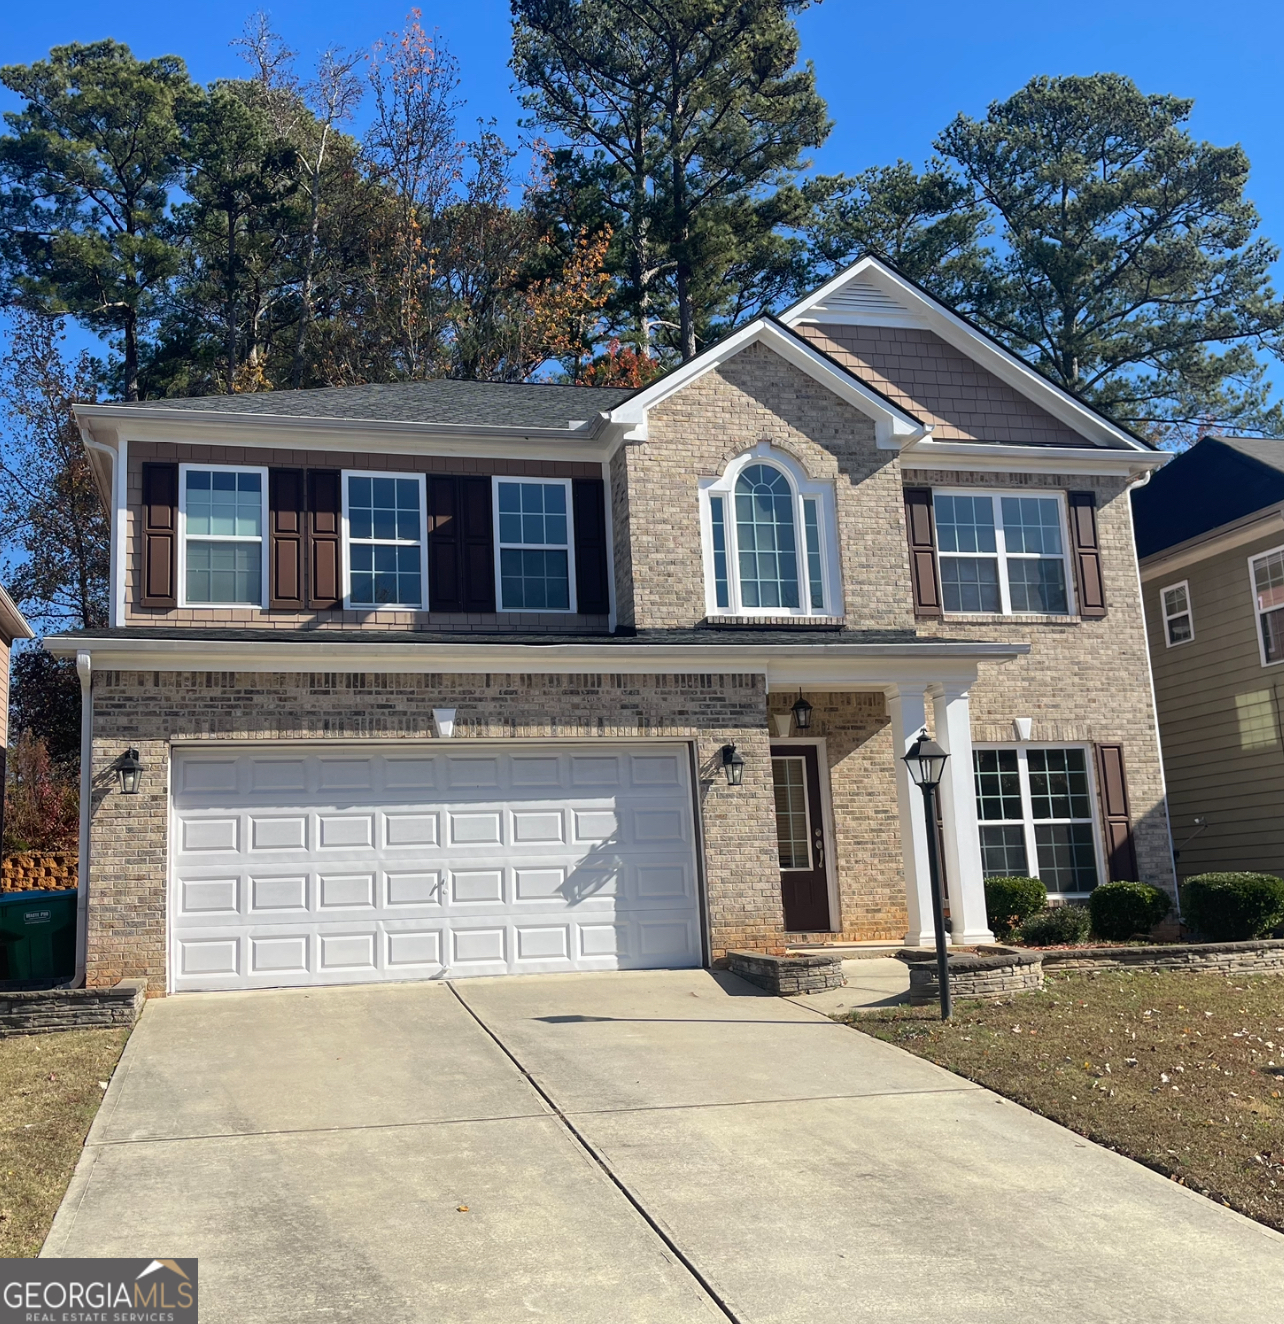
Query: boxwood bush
<point x="1009" y="902"/>
<point x="1056" y="926"/>
<point x="1232" y="907"/>
<point x="1122" y="910"/>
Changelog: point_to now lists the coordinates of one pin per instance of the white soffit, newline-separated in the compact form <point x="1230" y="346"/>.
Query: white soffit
<point x="870" y="293"/>
<point x="894" y="427"/>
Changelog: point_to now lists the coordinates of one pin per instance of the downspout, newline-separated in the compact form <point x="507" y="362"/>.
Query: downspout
<point x="83" y="670"/>
<point x="1150" y="677"/>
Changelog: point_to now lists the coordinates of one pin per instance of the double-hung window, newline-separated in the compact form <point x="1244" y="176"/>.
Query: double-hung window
<point x="535" y="570"/>
<point x="223" y="518"/>
<point x="769" y="545"/>
<point x="1035" y="813"/>
<point x="1179" y="626"/>
<point x="1002" y="554"/>
<point x="383" y="519"/>
<point x="1267" y="573"/>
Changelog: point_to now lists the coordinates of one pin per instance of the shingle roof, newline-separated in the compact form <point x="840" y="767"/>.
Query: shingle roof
<point x="1220" y="479"/>
<point x="480" y="404"/>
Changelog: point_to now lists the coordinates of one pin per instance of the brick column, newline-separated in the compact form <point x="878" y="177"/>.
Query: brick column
<point x="963" y="873"/>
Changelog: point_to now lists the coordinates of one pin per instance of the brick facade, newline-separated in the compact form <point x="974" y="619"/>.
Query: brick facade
<point x="148" y="710"/>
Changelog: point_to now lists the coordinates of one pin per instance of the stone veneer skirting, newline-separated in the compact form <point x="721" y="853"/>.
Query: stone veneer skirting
<point x="791" y="974"/>
<point x="1262" y="956"/>
<point x="41" y="1011"/>
<point x="992" y="973"/>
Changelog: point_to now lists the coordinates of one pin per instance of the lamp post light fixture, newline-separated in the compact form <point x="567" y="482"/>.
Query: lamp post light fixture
<point x="130" y="770"/>
<point x="733" y="764"/>
<point x="802" y="713"/>
<point x="926" y="764"/>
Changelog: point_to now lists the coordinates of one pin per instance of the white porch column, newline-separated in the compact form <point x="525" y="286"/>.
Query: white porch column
<point x="964" y="877"/>
<point x="907" y="705"/>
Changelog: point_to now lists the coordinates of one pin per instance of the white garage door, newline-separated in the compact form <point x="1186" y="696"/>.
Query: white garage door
<point x="337" y="866"/>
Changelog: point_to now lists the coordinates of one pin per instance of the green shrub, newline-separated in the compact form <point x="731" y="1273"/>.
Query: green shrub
<point x="1009" y="902"/>
<point x="1122" y="910"/>
<point x="1056" y="926"/>
<point x="1231" y="907"/>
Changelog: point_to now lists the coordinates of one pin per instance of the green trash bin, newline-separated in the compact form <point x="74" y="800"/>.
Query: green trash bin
<point x="37" y="935"/>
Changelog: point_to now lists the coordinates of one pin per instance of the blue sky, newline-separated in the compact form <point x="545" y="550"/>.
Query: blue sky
<point x="893" y="75"/>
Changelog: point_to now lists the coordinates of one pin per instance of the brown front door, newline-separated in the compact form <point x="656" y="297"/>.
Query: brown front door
<point x="800" y="833"/>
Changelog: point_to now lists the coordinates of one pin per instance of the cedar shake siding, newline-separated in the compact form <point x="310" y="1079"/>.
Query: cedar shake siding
<point x="940" y="385"/>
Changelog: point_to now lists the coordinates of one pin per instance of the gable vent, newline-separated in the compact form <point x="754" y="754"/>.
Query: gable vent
<point x="862" y="301"/>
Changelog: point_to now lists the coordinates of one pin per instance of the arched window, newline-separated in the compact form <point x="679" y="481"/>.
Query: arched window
<point x="765" y="540"/>
<point x="769" y="544"/>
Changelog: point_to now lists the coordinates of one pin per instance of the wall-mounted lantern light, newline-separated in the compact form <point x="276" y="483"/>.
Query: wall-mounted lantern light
<point x="802" y="713"/>
<point x="130" y="770"/>
<point x="733" y="764"/>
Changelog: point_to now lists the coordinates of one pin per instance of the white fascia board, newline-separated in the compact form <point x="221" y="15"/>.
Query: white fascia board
<point x="893" y="426"/>
<point x="951" y="328"/>
<point x="13" y="624"/>
<point x="265" y="432"/>
<point x="1239" y="533"/>
<point x="973" y="456"/>
<point x="822" y="666"/>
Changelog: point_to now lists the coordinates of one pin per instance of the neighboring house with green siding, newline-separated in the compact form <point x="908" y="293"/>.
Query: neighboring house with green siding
<point x="1210" y="538"/>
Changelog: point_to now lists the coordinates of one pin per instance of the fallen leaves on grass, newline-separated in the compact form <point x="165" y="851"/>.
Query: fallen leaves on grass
<point x="1197" y="1097"/>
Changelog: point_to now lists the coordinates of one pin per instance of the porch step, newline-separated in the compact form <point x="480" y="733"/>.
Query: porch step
<point x="849" y="951"/>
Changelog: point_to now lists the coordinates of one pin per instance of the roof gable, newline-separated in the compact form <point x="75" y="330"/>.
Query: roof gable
<point x="871" y="294"/>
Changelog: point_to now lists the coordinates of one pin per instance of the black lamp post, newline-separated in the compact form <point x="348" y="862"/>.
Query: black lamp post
<point x="926" y="764"/>
<point x="130" y="769"/>
<point x="733" y="764"/>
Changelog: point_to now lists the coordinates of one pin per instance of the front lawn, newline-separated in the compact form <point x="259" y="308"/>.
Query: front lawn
<point x="1183" y="1072"/>
<point x="50" y="1089"/>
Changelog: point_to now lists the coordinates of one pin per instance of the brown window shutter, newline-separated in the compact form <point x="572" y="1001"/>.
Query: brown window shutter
<point x="285" y="540"/>
<point x="477" y="544"/>
<point x="1121" y="855"/>
<point x="445" y="557"/>
<point x="325" y="515"/>
<point x="160" y="535"/>
<point x="592" y="589"/>
<point x="1087" y="553"/>
<point x="922" y="550"/>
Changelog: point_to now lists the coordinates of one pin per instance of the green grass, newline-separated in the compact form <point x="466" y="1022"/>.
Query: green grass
<point x="50" y="1089"/>
<point x="1182" y="1072"/>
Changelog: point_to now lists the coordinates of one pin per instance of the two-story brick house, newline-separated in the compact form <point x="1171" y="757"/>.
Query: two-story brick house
<point x="450" y="678"/>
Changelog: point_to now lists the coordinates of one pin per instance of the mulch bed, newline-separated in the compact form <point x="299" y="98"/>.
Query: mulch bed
<point x="1183" y="1072"/>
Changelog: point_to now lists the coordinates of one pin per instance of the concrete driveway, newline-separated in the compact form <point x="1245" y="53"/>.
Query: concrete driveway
<point x="660" y="1146"/>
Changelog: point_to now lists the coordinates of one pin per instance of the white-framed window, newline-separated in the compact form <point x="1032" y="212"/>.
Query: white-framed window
<point x="769" y="540"/>
<point x="1036" y="813"/>
<point x="222" y="511"/>
<point x="1001" y="552"/>
<point x="384" y="548"/>
<point x="1266" y="574"/>
<point x="1179" y="623"/>
<point x="534" y="542"/>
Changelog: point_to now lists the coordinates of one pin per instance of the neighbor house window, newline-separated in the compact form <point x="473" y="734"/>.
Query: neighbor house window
<point x="223" y="521"/>
<point x="383" y="519"/>
<point x="1179" y="627"/>
<point x="1268" y="587"/>
<point x="1035" y="815"/>
<point x="535" y="567"/>
<point x="1002" y="554"/>
<point x="769" y="544"/>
